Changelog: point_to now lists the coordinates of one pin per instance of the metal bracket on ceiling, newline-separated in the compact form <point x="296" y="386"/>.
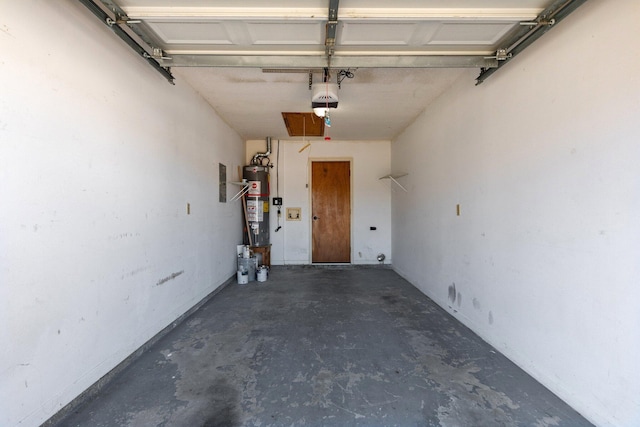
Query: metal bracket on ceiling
<point x="119" y="23"/>
<point x="501" y="55"/>
<point x="326" y="75"/>
<point x="331" y="29"/>
<point x="159" y="54"/>
<point x="546" y="20"/>
<point x="546" y="23"/>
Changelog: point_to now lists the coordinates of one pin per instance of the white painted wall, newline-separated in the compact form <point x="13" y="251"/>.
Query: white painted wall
<point x="371" y="197"/>
<point x="543" y="160"/>
<point x="99" y="157"/>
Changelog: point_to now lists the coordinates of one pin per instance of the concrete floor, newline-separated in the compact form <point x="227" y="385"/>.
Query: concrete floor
<point x="323" y="346"/>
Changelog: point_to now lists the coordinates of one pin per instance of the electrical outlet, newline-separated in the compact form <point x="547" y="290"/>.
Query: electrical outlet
<point x="293" y="214"/>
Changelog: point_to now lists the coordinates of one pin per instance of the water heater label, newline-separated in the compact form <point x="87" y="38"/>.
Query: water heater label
<point x="254" y="188"/>
<point x="255" y="211"/>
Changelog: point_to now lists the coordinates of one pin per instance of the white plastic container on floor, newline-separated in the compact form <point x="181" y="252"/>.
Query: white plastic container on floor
<point x="243" y="277"/>
<point x="262" y="274"/>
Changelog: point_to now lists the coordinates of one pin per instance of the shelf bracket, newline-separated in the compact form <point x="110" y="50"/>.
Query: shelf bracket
<point x="243" y="190"/>
<point x="394" y="180"/>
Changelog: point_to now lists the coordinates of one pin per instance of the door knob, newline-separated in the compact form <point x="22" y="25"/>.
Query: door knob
<point x="315" y="217"/>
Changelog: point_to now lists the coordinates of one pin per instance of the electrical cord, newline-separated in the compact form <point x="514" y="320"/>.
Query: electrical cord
<point x="342" y="74"/>
<point x="278" y="186"/>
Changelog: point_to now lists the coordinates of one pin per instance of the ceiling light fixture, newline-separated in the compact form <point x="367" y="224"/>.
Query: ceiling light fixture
<point x="320" y="111"/>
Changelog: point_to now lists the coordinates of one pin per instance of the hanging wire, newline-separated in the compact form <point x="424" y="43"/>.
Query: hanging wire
<point x="304" y="133"/>
<point x="327" y="116"/>
<point x="279" y="214"/>
<point x="278" y="170"/>
<point x="342" y="74"/>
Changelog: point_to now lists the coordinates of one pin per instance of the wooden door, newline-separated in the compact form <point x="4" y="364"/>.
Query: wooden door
<point x="331" y="211"/>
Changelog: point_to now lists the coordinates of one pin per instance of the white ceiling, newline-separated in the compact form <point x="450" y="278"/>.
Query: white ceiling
<point x="403" y="54"/>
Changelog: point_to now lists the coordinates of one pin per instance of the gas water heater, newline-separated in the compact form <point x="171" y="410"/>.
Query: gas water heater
<point x="257" y="197"/>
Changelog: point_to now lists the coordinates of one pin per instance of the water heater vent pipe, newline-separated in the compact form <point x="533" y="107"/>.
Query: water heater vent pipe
<point x="258" y="157"/>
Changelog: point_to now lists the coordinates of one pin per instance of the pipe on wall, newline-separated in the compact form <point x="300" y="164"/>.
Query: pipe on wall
<point x="258" y="157"/>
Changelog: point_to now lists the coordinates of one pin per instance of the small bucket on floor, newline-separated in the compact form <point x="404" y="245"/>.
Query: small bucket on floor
<point x="243" y="277"/>
<point x="262" y="274"/>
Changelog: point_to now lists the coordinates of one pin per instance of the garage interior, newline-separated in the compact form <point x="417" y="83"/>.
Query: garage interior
<point x="491" y="155"/>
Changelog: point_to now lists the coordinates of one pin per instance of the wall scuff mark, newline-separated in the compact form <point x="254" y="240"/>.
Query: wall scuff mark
<point x="171" y="277"/>
<point x="452" y="293"/>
